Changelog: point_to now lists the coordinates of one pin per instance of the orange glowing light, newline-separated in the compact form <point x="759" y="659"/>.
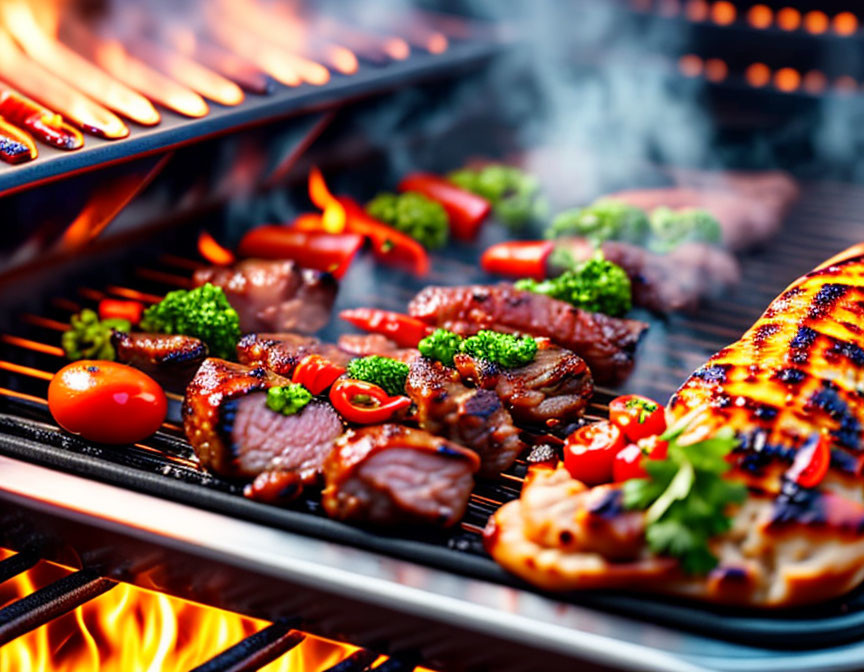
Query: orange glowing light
<point x="758" y="74"/>
<point x="845" y="23"/>
<point x="342" y="59"/>
<point x="716" y="70"/>
<point x="723" y="13"/>
<point x="789" y="19"/>
<point x="333" y="218"/>
<point x="760" y="16"/>
<point x="787" y="79"/>
<point x="690" y="65"/>
<point x="815" y="82"/>
<point x="697" y="10"/>
<point x="816" y="22"/>
<point x="213" y="251"/>
<point x="397" y="48"/>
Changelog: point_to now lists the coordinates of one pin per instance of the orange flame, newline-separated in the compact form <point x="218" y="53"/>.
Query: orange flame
<point x="845" y="23"/>
<point x="213" y="251"/>
<point x="333" y="219"/>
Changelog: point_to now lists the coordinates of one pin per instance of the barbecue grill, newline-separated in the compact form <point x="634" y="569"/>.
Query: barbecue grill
<point x="149" y="515"/>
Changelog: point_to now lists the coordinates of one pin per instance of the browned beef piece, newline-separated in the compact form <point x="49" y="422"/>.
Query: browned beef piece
<point x="553" y="389"/>
<point x="234" y="433"/>
<point x="473" y="418"/>
<point x="275" y="295"/>
<point x="170" y="359"/>
<point x="391" y="474"/>
<point x="606" y="343"/>
<point x="670" y="282"/>
<point x="280" y="353"/>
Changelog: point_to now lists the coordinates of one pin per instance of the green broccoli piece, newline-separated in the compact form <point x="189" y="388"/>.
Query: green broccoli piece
<point x="506" y="350"/>
<point x="90" y="338"/>
<point x="421" y="218"/>
<point x="514" y="195"/>
<point x="288" y="399"/>
<point x="603" y="220"/>
<point x="203" y="312"/>
<point x="441" y="345"/>
<point x="388" y="374"/>
<point x="670" y="228"/>
<point x="595" y="285"/>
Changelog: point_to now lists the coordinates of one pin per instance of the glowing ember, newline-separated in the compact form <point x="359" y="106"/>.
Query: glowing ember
<point x="44" y="124"/>
<point x="333" y="217"/>
<point x="213" y="251"/>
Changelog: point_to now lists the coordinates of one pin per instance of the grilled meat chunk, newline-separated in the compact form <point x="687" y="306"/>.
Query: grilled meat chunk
<point x="363" y="345"/>
<point x="170" y="359"/>
<point x="274" y="295"/>
<point x="606" y="343"/>
<point x="235" y="434"/>
<point x="795" y="374"/>
<point x="391" y="474"/>
<point x="280" y="353"/>
<point x="554" y="388"/>
<point x="473" y="418"/>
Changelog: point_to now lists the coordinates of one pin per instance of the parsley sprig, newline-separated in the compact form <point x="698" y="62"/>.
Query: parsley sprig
<point x="685" y="497"/>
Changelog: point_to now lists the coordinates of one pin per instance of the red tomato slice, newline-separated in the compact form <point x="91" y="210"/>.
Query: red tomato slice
<point x="589" y="452"/>
<point x="629" y="463"/>
<point x="637" y="416"/>
<point x="811" y="461"/>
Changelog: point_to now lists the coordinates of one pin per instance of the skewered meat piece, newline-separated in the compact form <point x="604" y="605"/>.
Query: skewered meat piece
<point x="554" y="388"/>
<point x="170" y="359"/>
<point x="670" y="282"/>
<point x="391" y="474"/>
<point x="274" y="295"/>
<point x="473" y="418"/>
<point x="795" y="374"/>
<point x="280" y="353"/>
<point x="235" y="434"/>
<point x="606" y="343"/>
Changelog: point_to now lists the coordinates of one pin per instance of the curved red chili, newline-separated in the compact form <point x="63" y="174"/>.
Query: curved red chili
<point x="316" y="373"/>
<point x="364" y="403"/>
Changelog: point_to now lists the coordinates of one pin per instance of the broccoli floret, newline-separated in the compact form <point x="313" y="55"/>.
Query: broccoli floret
<point x="90" y="338"/>
<point x="506" y="350"/>
<point x="603" y="220"/>
<point x="441" y="345"/>
<point x="514" y="195"/>
<point x="421" y="218"/>
<point x="288" y="399"/>
<point x="203" y="312"/>
<point x="388" y="374"/>
<point x="596" y="285"/>
<point x="670" y="228"/>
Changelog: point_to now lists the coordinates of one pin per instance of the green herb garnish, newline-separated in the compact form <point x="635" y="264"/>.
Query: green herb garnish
<point x="385" y="372"/>
<point x="288" y="399"/>
<point x="413" y="213"/>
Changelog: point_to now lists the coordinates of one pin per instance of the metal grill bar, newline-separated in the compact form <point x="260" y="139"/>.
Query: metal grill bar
<point x="359" y="661"/>
<point x="256" y="651"/>
<point x="17" y="564"/>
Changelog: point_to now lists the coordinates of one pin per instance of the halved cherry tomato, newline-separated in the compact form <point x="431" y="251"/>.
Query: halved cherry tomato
<point x="811" y="461"/>
<point x="331" y="252"/>
<point x="466" y="210"/>
<point x="316" y="373"/>
<point x="106" y="401"/>
<point x="121" y="310"/>
<point x="629" y="462"/>
<point x="518" y="259"/>
<point x="589" y="452"/>
<point x="404" y="330"/>
<point x="637" y="416"/>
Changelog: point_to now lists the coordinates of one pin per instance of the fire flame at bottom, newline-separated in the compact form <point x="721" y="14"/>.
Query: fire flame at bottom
<point x="129" y="629"/>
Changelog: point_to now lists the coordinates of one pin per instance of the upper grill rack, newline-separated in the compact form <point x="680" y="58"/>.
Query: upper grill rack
<point x="164" y="465"/>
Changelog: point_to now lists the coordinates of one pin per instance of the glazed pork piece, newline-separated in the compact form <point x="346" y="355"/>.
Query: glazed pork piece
<point x="606" y="343"/>
<point x="795" y="374"/>
<point x="471" y="417"/>
<point x="391" y="474"/>
<point x="280" y="353"/>
<point x="170" y="359"/>
<point x="235" y="434"/>
<point x="274" y="295"/>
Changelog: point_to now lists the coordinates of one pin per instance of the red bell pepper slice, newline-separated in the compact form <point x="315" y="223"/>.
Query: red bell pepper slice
<point x="331" y="252"/>
<point x="466" y="210"/>
<point x="316" y="373"/>
<point x="121" y="310"/>
<point x="364" y="403"/>
<point x="811" y="461"/>
<point x="518" y="259"/>
<point x="404" y="330"/>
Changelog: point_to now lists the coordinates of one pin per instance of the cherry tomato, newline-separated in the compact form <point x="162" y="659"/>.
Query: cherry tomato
<point x="590" y="451"/>
<point x="629" y="462"/>
<point x="811" y="461"/>
<point x="121" y="310"/>
<point x="106" y="401"/>
<point x="637" y="416"/>
<point x="518" y="259"/>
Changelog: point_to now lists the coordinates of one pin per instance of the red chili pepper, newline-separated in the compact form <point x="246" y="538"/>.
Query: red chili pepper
<point x="364" y="403"/>
<point x="811" y="461"/>
<point x="466" y="210"/>
<point x="121" y="310"/>
<point x="331" y="252"/>
<point x="518" y="259"/>
<point x="404" y="330"/>
<point x="316" y="373"/>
